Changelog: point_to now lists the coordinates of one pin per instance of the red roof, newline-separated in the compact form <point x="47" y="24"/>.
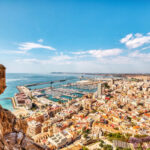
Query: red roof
<point x="107" y="98"/>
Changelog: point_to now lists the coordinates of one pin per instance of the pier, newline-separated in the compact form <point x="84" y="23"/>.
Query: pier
<point x="42" y="83"/>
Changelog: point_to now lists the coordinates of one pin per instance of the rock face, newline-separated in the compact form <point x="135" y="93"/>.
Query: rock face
<point x="12" y="130"/>
<point x="12" y="133"/>
<point x="9" y="123"/>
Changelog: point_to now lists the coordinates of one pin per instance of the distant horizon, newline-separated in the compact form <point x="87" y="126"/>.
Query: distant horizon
<point x="74" y="73"/>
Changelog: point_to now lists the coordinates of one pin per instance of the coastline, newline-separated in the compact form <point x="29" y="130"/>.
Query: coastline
<point x="16" y="79"/>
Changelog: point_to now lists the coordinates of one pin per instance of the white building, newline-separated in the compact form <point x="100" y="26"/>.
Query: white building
<point x="99" y="90"/>
<point x="58" y="140"/>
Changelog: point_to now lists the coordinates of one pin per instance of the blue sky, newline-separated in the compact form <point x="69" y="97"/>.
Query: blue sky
<point x="41" y="36"/>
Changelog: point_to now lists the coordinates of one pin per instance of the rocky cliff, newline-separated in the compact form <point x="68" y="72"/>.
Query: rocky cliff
<point x="12" y="133"/>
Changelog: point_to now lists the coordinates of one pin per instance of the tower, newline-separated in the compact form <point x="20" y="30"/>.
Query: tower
<point x="112" y="81"/>
<point x="99" y="90"/>
<point x="2" y="79"/>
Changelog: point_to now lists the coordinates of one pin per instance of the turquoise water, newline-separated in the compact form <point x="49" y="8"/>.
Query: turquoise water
<point x="67" y="97"/>
<point x="16" y="79"/>
<point x="78" y="94"/>
<point x="56" y="99"/>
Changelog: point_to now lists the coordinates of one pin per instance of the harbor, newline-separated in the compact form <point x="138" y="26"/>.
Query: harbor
<point x="60" y="93"/>
<point x="41" y="83"/>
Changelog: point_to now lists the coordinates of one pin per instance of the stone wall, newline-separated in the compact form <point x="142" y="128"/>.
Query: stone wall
<point x="2" y="79"/>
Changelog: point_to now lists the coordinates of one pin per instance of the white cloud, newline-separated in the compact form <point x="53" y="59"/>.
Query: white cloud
<point x="135" y="41"/>
<point x="27" y="46"/>
<point x="138" y="35"/>
<point x="98" y="53"/>
<point x="126" y="38"/>
<point x="30" y="45"/>
<point x="148" y="33"/>
<point x="12" y="52"/>
<point x="61" y="58"/>
<point x="144" y="48"/>
<point x="80" y="53"/>
<point x="40" y="40"/>
<point x="57" y="60"/>
<point x="117" y="60"/>
<point x="30" y="60"/>
<point x="133" y="62"/>
<point x="142" y="56"/>
<point x="105" y="53"/>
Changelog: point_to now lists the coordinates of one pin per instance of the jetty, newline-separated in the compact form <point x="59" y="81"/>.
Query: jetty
<point x="49" y="82"/>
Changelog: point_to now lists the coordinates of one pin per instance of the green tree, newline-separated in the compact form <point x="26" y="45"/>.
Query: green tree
<point x="108" y="147"/>
<point x="120" y="148"/>
<point x="85" y="135"/>
<point x="101" y="143"/>
<point x="139" y="148"/>
<point x="84" y="148"/>
<point x="106" y="85"/>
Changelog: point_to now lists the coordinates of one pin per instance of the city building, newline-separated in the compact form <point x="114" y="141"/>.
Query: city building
<point x="34" y="128"/>
<point x="99" y="90"/>
<point x="58" y="140"/>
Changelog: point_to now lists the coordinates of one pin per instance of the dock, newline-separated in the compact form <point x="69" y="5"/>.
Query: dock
<point x="64" y="92"/>
<point x="42" y="83"/>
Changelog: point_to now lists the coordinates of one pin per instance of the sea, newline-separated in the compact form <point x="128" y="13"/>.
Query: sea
<point x="16" y="79"/>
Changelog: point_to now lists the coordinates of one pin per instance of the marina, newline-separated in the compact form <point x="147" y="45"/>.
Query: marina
<point x="58" y="88"/>
<point x="61" y="94"/>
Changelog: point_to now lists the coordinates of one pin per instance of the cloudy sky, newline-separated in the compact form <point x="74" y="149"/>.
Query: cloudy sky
<point x="42" y="36"/>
